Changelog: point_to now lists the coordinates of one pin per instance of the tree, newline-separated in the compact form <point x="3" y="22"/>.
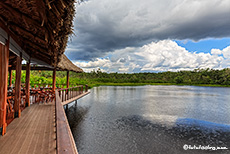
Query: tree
<point x="179" y="79"/>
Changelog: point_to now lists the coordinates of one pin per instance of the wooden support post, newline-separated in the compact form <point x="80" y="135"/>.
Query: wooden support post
<point x="17" y="98"/>
<point x="67" y="82"/>
<point x="10" y="77"/>
<point x="54" y="80"/>
<point x="4" y="62"/>
<point x="27" y="84"/>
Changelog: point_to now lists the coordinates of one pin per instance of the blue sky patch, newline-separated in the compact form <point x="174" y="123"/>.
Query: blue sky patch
<point x="204" y="45"/>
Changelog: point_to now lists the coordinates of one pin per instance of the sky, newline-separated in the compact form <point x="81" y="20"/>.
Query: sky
<point x="128" y="36"/>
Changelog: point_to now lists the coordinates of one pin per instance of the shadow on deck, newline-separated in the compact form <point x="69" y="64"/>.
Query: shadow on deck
<point x="33" y="132"/>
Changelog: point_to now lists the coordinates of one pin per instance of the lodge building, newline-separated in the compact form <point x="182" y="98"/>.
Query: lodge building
<point x="32" y="119"/>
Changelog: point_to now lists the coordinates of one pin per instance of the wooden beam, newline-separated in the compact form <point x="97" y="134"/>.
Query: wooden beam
<point x="28" y="84"/>
<point x="19" y="40"/>
<point x="17" y="99"/>
<point x="4" y="60"/>
<point x="47" y="59"/>
<point x="54" y="80"/>
<point x="15" y="37"/>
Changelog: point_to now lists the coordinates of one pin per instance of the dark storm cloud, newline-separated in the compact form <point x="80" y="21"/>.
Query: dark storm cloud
<point x="102" y="26"/>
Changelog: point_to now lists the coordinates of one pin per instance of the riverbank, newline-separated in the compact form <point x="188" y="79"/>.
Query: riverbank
<point x="91" y="85"/>
<point x="199" y="77"/>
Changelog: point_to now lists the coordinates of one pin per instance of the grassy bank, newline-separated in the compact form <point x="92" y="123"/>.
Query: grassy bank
<point x="198" y="77"/>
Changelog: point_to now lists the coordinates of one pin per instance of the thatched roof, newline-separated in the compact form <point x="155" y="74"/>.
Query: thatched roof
<point x="67" y="65"/>
<point x="64" y="65"/>
<point x="39" y="27"/>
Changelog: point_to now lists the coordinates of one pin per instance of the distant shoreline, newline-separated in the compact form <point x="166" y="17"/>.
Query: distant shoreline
<point x="160" y="84"/>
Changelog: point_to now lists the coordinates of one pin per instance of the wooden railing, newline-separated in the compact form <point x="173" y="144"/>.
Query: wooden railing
<point x="38" y="85"/>
<point x="41" y="95"/>
<point x="65" y="141"/>
<point x="69" y="93"/>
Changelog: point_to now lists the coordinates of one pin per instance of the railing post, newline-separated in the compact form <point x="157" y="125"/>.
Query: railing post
<point x="65" y="94"/>
<point x="74" y="89"/>
<point x="86" y="88"/>
<point x="72" y="93"/>
<point x="71" y="90"/>
<point x="62" y="95"/>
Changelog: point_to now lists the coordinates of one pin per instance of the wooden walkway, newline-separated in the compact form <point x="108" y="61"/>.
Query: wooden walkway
<point x="33" y="132"/>
<point x="38" y="132"/>
<point x="75" y="98"/>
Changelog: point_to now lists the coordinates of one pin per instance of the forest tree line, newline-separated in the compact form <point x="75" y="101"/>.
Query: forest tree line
<point x="195" y="77"/>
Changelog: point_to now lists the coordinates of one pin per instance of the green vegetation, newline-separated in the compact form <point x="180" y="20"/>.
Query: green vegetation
<point x="198" y="77"/>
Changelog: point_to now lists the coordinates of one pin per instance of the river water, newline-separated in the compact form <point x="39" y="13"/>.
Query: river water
<point x="151" y="119"/>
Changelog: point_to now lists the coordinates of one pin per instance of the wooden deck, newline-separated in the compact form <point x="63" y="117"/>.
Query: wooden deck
<point x="75" y="98"/>
<point x="41" y="129"/>
<point x="33" y="132"/>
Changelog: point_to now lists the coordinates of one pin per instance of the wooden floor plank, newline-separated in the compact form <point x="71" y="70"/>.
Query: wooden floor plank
<point x="28" y="137"/>
<point x="33" y="132"/>
<point x="14" y="125"/>
<point x="14" y="132"/>
<point x="24" y="133"/>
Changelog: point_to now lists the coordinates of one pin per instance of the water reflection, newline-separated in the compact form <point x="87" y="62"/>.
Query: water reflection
<point x="184" y="131"/>
<point x="151" y="119"/>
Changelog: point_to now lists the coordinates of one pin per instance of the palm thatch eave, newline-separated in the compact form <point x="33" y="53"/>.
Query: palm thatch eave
<point x="67" y="65"/>
<point x="40" y="27"/>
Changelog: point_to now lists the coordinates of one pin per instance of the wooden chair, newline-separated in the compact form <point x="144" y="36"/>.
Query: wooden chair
<point x="9" y="109"/>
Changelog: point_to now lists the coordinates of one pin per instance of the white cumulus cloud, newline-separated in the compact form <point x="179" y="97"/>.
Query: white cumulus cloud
<point x="108" y="25"/>
<point x="216" y="52"/>
<point x="226" y="52"/>
<point x="164" y="55"/>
